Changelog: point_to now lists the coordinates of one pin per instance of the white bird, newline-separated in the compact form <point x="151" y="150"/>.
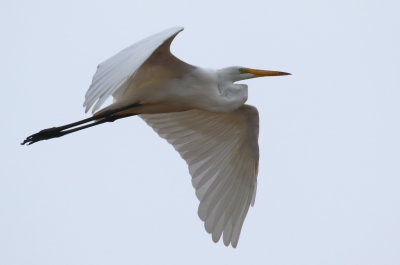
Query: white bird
<point x="201" y="112"/>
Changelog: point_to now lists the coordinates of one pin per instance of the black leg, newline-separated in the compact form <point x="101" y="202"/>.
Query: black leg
<point x="54" y="132"/>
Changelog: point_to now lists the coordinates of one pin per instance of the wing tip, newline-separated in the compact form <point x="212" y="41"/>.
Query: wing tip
<point x="173" y="31"/>
<point x="179" y="28"/>
<point x="232" y="242"/>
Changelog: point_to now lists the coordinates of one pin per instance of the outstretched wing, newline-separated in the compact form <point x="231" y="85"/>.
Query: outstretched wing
<point x="115" y="75"/>
<point x="221" y="150"/>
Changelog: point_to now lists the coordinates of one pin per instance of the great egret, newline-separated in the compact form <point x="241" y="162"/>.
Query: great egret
<point x="201" y="112"/>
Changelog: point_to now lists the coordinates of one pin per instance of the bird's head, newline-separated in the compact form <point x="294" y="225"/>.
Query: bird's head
<point x="236" y="73"/>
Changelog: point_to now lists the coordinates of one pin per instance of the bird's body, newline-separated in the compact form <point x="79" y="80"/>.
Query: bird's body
<point x="201" y="112"/>
<point x="199" y="89"/>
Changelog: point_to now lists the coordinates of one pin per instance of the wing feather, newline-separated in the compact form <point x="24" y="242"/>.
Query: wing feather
<point x="221" y="150"/>
<point x="114" y="74"/>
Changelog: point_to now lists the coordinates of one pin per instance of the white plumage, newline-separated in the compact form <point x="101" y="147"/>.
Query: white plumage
<point x="116" y="72"/>
<point x="221" y="151"/>
<point x="201" y="112"/>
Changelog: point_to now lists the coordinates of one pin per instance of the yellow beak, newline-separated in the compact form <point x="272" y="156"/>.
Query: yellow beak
<point x="258" y="72"/>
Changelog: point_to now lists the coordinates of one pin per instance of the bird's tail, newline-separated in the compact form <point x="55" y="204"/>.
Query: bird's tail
<point x="96" y="119"/>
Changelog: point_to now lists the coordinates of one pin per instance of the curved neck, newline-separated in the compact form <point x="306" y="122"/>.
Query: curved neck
<point x="231" y="96"/>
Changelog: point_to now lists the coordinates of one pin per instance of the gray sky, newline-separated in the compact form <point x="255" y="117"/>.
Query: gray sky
<point x="329" y="177"/>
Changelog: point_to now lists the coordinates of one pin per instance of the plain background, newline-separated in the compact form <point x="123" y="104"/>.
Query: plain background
<point x="329" y="182"/>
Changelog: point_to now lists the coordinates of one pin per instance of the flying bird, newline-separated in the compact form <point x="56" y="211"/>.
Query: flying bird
<point x="200" y="111"/>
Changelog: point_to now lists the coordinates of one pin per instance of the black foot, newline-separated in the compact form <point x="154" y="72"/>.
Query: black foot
<point x="43" y="135"/>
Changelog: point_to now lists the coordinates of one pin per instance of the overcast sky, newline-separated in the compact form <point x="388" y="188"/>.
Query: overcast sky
<point x="329" y="175"/>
